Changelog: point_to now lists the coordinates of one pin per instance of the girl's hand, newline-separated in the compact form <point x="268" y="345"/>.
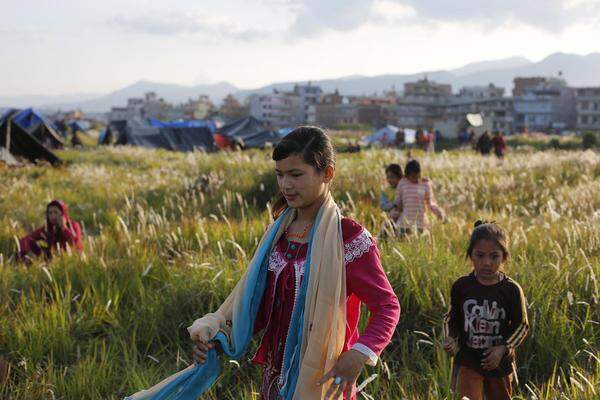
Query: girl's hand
<point x="493" y="357"/>
<point x="450" y="346"/>
<point x="201" y="349"/>
<point x="345" y="371"/>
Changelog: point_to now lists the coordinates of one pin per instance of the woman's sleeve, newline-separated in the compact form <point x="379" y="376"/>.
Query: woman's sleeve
<point x="26" y="242"/>
<point x="72" y="234"/>
<point x="368" y="281"/>
<point x="431" y="204"/>
<point x="519" y="326"/>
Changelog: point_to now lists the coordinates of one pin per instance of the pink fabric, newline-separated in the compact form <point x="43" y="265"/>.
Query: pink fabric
<point x="412" y="198"/>
<point x="366" y="281"/>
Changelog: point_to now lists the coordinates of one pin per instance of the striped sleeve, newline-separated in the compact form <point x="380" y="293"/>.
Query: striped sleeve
<point x="519" y="324"/>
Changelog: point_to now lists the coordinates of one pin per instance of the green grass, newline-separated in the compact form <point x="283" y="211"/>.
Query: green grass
<point x="160" y="252"/>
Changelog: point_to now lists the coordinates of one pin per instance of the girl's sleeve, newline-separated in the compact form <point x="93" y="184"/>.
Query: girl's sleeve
<point x="431" y="204"/>
<point x="368" y="281"/>
<point x="519" y="326"/>
<point x="451" y="320"/>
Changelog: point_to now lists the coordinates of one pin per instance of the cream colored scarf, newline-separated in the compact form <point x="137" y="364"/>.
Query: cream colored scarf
<point x="324" y="327"/>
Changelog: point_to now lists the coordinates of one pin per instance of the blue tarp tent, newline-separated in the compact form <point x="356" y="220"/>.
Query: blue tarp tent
<point x="28" y="134"/>
<point x="79" y="126"/>
<point x="283" y="132"/>
<point x="196" y="123"/>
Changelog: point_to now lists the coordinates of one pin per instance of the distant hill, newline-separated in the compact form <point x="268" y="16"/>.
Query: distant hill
<point x="170" y="92"/>
<point x="579" y="70"/>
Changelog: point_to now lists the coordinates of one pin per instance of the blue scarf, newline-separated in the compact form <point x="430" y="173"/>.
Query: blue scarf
<point x="192" y="382"/>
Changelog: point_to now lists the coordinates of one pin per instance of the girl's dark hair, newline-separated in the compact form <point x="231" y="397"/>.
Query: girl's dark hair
<point x="484" y="230"/>
<point x="310" y="143"/>
<point x="395" y="169"/>
<point x="412" y="167"/>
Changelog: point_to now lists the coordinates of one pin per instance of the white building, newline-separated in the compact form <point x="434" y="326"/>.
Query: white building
<point x="277" y="109"/>
<point x="588" y="108"/>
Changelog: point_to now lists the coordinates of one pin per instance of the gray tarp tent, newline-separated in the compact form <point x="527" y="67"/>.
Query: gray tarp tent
<point x="140" y="133"/>
<point x="27" y="134"/>
<point x="249" y="132"/>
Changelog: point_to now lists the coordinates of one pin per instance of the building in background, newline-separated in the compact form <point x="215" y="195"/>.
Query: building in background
<point x="232" y="109"/>
<point x="588" y="108"/>
<point x="150" y="106"/>
<point x="547" y="105"/>
<point x="309" y="97"/>
<point x="489" y="101"/>
<point x="200" y="108"/>
<point x="278" y="109"/>
<point x="335" y="110"/>
<point x="426" y="91"/>
<point x="520" y="84"/>
<point x="481" y="92"/>
<point x="410" y="114"/>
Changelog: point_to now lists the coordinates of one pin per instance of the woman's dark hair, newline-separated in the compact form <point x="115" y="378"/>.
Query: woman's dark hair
<point x="310" y="143"/>
<point x="395" y="169"/>
<point x="491" y="231"/>
<point x="412" y="167"/>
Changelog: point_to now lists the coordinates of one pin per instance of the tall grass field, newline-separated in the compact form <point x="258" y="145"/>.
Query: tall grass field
<point x="167" y="235"/>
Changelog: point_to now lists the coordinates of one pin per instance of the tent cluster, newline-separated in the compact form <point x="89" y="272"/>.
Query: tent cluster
<point x="29" y="135"/>
<point x="189" y="135"/>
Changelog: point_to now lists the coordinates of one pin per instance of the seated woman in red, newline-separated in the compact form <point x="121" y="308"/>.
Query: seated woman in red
<point x="59" y="231"/>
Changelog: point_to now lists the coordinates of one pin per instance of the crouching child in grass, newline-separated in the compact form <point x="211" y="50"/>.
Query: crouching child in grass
<point x="393" y="174"/>
<point x="487" y="319"/>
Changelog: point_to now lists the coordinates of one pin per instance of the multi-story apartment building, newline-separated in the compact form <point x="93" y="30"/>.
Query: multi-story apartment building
<point x="426" y="91"/>
<point x="277" y="109"/>
<point x="544" y="106"/>
<point x="309" y="96"/>
<point x="588" y="108"/>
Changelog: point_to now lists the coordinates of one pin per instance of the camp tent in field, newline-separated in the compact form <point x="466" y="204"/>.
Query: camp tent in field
<point x="248" y="133"/>
<point x="137" y="132"/>
<point x="195" y="123"/>
<point x="384" y="136"/>
<point x="28" y="134"/>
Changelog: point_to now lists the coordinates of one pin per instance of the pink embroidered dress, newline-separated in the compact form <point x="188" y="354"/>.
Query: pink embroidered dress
<point x="366" y="282"/>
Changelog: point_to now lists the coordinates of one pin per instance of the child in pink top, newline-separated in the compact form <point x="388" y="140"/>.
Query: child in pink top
<point x="413" y="195"/>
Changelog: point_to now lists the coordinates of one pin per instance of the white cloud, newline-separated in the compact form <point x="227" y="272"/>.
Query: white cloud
<point x="185" y="23"/>
<point x="315" y="17"/>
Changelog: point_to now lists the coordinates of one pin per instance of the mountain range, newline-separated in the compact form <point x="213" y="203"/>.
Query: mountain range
<point x="578" y="70"/>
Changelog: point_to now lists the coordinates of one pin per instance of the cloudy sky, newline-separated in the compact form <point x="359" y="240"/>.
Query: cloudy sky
<point x="53" y="47"/>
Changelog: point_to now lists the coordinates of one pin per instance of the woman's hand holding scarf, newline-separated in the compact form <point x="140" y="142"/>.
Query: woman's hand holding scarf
<point x="346" y="370"/>
<point x="201" y="349"/>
